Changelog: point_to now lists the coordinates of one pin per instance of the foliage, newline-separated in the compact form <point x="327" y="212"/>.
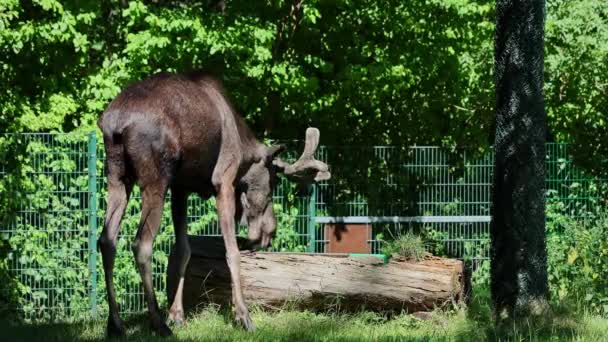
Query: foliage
<point x="578" y="257"/>
<point x="64" y="60"/>
<point x="474" y="250"/>
<point x="575" y="68"/>
<point x="287" y="238"/>
<point x="481" y="274"/>
<point x="11" y="181"/>
<point x="373" y="69"/>
<point x="51" y="194"/>
<point x="577" y="248"/>
<point x="408" y="245"/>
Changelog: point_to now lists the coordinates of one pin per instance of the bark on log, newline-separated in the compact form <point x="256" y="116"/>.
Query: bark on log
<point x="318" y="281"/>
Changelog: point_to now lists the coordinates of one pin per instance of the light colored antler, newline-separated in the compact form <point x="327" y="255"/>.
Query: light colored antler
<point x="306" y="169"/>
<point x="311" y="143"/>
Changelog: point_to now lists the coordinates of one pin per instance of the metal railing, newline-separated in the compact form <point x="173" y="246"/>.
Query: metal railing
<point x="52" y="236"/>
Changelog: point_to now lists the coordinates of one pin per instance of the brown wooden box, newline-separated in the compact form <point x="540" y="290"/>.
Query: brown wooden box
<point x="348" y="238"/>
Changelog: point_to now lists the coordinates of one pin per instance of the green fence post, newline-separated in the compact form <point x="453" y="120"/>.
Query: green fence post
<point x="92" y="193"/>
<point x="312" y="213"/>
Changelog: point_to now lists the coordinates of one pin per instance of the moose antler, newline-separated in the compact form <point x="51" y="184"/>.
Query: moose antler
<point x="306" y="169"/>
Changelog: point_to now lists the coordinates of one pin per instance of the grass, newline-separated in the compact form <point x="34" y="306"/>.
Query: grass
<point x="408" y="245"/>
<point x="457" y="324"/>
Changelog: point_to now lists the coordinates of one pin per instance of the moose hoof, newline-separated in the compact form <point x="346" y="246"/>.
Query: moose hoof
<point x="245" y="322"/>
<point x="162" y="330"/>
<point x="115" y="329"/>
<point x="176" y="318"/>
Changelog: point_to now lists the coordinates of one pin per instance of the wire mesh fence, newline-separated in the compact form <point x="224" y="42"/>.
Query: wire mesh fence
<point x="412" y="188"/>
<point x="48" y="236"/>
<point x="51" y="236"/>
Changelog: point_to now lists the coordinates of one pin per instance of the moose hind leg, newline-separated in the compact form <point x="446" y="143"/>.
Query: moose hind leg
<point x="153" y="196"/>
<point x="118" y="196"/>
<point x="182" y="253"/>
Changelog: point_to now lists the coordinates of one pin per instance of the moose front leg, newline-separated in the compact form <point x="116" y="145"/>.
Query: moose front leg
<point x="226" y="210"/>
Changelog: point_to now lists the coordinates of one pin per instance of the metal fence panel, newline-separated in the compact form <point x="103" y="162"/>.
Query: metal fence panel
<point x="49" y="235"/>
<point x="53" y="235"/>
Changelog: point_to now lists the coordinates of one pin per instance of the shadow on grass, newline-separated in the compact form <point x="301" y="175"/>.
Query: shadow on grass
<point x="207" y="326"/>
<point x="562" y="323"/>
<point x="473" y="324"/>
<point x="43" y="332"/>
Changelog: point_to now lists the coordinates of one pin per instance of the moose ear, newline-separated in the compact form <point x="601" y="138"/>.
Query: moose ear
<point x="273" y="151"/>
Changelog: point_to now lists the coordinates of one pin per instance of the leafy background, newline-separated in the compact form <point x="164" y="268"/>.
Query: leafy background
<point x="364" y="72"/>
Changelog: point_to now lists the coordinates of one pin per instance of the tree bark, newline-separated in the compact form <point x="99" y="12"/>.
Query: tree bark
<point x="319" y="281"/>
<point x="519" y="258"/>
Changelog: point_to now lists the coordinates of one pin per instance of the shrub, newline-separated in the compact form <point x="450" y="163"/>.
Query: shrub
<point x="577" y="251"/>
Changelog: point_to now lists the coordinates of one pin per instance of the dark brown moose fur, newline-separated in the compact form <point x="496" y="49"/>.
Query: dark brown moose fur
<point x="180" y="132"/>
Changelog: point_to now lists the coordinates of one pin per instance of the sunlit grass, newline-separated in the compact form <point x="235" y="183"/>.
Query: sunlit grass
<point x="454" y="324"/>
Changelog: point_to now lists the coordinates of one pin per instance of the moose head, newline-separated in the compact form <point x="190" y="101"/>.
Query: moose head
<point x="255" y="203"/>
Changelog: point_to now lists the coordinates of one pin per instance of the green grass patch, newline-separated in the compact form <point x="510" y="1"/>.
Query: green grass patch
<point x="456" y="324"/>
<point x="408" y="245"/>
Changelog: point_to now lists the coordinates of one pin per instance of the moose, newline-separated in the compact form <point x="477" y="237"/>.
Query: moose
<point x="180" y="132"/>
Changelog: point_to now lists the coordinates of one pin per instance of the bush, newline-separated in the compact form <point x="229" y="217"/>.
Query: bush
<point x="578" y="257"/>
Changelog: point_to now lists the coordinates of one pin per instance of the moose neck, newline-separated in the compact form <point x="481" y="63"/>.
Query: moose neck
<point x="251" y="148"/>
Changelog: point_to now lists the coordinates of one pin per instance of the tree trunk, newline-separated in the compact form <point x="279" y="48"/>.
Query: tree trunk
<point x="519" y="258"/>
<point x="318" y="281"/>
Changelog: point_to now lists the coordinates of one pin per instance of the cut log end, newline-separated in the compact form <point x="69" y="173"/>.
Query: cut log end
<point x="318" y="281"/>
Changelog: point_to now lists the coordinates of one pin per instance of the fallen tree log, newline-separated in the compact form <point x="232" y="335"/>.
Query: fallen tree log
<point x="318" y="281"/>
